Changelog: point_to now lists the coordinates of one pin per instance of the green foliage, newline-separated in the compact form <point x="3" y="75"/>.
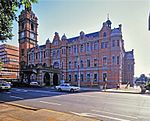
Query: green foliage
<point x="8" y="9"/>
<point x="1" y="63"/>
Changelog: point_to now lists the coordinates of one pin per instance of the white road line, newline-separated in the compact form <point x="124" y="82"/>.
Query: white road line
<point x="16" y="97"/>
<point x="109" y="117"/>
<point x="114" y="114"/>
<point x="82" y="114"/>
<point x="51" y="103"/>
<point x="86" y="95"/>
<point x="97" y="115"/>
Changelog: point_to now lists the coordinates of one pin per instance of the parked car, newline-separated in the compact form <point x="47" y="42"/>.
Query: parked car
<point x="34" y="84"/>
<point x="67" y="87"/>
<point x="5" y="86"/>
<point x="145" y="87"/>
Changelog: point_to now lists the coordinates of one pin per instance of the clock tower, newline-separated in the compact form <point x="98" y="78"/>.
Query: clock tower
<point x="27" y="33"/>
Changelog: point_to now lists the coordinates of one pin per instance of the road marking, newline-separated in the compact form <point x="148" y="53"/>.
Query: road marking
<point x="86" y="95"/>
<point x="82" y="114"/>
<point x="114" y="114"/>
<point x="96" y="115"/>
<point x="7" y="92"/>
<point x="51" y="103"/>
<point x="21" y="90"/>
<point x="109" y="117"/>
<point x="16" y="97"/>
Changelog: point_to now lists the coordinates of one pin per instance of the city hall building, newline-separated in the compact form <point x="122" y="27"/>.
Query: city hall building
<point x="86" y="60"/>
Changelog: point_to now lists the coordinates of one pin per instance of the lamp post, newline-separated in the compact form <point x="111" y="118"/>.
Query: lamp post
<point x="78" y="73"/>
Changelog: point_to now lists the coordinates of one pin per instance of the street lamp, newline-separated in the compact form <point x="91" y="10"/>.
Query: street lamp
<point x="78" y="73"/>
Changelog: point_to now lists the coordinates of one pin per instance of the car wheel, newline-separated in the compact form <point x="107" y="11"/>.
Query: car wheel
<point x="71" y="90"/>
<point x="60" y="89"/>
<point x="143" y="90"/>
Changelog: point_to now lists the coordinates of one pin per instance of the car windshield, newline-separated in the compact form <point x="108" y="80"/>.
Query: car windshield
<point x="5" y="84"/>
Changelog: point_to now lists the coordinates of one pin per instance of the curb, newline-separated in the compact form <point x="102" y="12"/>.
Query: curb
<point x="21" y="106"/>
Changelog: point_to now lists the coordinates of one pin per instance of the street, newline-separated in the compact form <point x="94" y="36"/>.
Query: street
<point x="100" y="105"/>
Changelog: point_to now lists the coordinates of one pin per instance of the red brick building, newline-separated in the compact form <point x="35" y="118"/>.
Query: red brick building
<point x="87" y="60"/>
<point x="9" y="56"/>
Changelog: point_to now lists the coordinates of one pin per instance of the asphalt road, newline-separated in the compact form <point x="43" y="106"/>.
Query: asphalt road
<point x="100" y="105"/>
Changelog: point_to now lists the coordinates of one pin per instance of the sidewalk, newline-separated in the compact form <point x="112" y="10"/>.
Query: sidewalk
<point x="131" y="90"/>
<point x="12" y="113"/>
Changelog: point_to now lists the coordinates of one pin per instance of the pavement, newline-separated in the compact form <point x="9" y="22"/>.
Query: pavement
<point x="10" y="112"/>
<point x="123" y="89"/>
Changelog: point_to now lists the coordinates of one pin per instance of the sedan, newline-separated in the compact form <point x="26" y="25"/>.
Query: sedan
<point x="5" y="86"/>
<point x="67" y="87"/>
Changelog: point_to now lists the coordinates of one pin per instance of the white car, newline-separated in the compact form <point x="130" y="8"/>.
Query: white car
<point x="5" y="86"/>
<point x="34" y="83"/>
<point x="67" y="87"/>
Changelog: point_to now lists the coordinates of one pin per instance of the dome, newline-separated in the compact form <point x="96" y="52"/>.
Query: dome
<point x="116" y="31"/>
<point x="47" y="41"/>
<point x="81" y="33"/>
<point x="108" y="22"/>
<point x="63" y="37"/>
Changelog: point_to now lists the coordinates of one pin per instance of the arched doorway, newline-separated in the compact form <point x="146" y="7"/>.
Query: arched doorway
<point x="47" y="79"/>
<point x="55" y="79"/>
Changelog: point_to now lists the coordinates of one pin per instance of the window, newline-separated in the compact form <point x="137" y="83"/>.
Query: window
<point x="81" y="64"/>
<point x="32" y="27"/>
<point x="62" y="65"/>
<point x="104" y="60"/>
<point x="118" y="43"/>
<point x="95" y="62"/>
<point x="113" y="59"/>
<point x="104" y="34"/>
<point x="113" y="43"/>
<point x="36" y="56"/>
<point x="70" y="65"/>
<point x="95" y="45"/>
<point x="58" y="53"/>
<point x="88" y="77"/>
<point x="104" y="77"/>
<point x="22" y="25"/>
<point x="118" y="59"/>
<point x="69" y="78"/>
<point x="88" y="47"/>
<point x="75" y="49"/>
<point x="44" y="54"/>
<point x="81" y="77"/>
<point x="76" y="77"/>
<point x="104" y="45"/>
<point x="70" y="50"/>
<point x="88" y="63"/>
<point x="54" y="54"/>
<point x="62" y="51"/>
<point x="95" y="77"/>
<point x="81" y="48"/>
<point x="75" y="64"/>
<point x="22" y="52"/>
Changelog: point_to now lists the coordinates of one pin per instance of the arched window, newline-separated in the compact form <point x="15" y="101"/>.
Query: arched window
<point x="104" y="34"/>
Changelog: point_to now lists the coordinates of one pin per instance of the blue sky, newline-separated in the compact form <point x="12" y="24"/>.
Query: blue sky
<point x="72" y="16"/>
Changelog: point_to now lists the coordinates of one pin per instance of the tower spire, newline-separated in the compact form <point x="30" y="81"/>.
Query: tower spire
<point x="107" y="16"/>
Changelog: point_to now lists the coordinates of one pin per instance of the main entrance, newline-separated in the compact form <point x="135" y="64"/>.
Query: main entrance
<point x="47" y="79"/>
<point x="55" y="79"/>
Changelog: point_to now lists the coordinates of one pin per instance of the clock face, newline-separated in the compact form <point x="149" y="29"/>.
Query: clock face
<point x="32" y="36"/>
<point x="22" y="34"/>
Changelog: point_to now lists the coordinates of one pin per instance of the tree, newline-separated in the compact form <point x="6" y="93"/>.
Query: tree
<point x="8" y="9"/>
